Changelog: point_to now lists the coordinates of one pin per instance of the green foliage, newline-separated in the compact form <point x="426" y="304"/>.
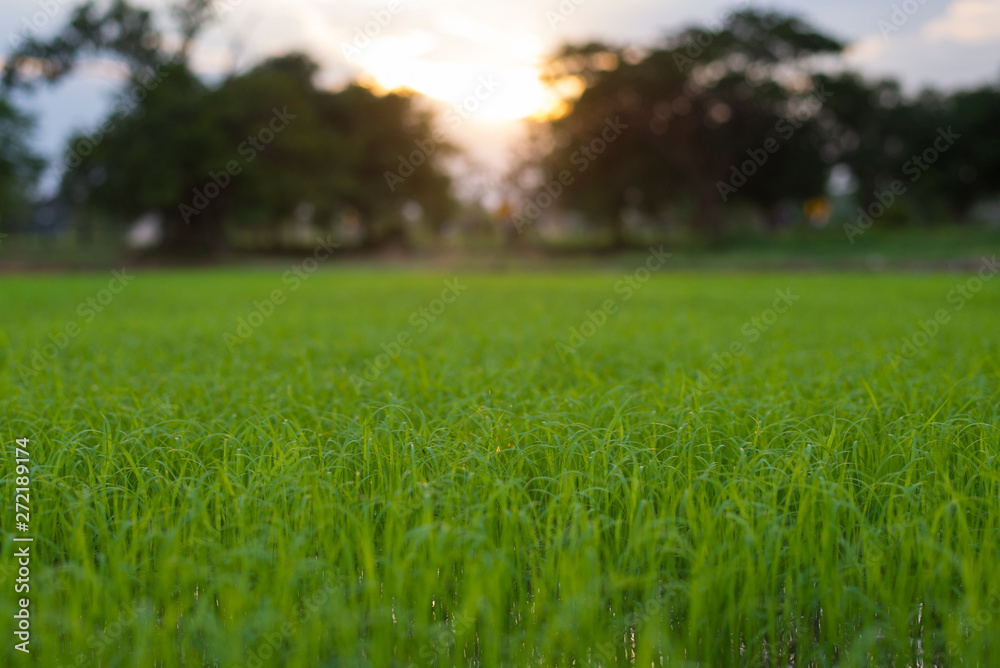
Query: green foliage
<point x="485" y="502"/>
<point x="736" y="115"/>
<point x="331" y="153"/>
<point x="178" y="138"/>
<point x="755" y="37"/>
<point x="19" y="165"/>
<point x="694" y="108"/>
<point x="973" y="168"/>
<point x="121" y="30"/>
<point x="715" y="125"/>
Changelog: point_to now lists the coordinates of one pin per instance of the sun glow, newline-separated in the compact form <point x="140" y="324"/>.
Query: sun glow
<point x="502" y="88"/>
<point x="484" y="92"/>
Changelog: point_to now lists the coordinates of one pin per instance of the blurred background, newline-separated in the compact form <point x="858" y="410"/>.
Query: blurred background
<point x="237" y="130"/>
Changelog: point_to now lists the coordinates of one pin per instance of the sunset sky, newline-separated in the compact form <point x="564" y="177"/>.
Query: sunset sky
<point x="481" y="58"/>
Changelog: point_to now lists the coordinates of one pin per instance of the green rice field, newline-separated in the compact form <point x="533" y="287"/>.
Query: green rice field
<point x="376" y="467"/>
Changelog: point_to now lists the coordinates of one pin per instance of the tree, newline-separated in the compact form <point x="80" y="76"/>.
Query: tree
<point x="249" y="152"/>
<point x="253" y="150"/>
<point x="20" y="167"/>
<point x="969" y="171"/>
<point x="122" y="31"/>
<point x="871" y="128"/>
<point x="697" y="109"/>
<point x="150" y="158"/>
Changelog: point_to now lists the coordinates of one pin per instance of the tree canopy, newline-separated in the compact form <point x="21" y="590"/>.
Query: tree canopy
<point x="741" y="113"/>
<point x="20" y="166"/>
<point x="741" y="116"/>
<point x="248" y="153"/>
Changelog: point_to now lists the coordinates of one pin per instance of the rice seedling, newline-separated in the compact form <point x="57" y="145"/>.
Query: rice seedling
<point x="821" y="493"/>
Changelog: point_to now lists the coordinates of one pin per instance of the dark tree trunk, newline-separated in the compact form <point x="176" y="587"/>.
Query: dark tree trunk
<point x="710" y="210"/>
<point x="200" y="237"/>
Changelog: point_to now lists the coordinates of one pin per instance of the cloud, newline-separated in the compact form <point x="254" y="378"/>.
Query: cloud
<point x="967" y="22"/>
<point x="867" y="49"/>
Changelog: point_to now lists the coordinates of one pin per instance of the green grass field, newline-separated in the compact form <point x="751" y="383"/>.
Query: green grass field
<point x="696" y="478"/>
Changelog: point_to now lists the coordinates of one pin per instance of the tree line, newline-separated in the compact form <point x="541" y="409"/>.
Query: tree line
<point x="741" y="116"/>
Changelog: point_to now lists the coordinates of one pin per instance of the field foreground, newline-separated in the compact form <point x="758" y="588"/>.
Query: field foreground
<point x="236" y="468"/>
